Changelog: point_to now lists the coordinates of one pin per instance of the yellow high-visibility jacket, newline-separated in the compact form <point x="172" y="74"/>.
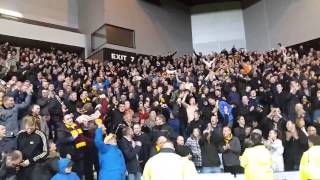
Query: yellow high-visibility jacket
<point x="257" y="163"/>
<point x="310" y="164"/>
<point x="169" y="166"/>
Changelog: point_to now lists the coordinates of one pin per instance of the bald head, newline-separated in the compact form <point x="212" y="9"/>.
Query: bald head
<point x="161" y="140"/>
<point x="312" y="131"/>
<point x="168" y="145"/>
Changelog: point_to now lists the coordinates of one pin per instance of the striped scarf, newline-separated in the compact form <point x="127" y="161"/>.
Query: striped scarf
<point x="75" y="129"/>
<point x="228" y="139"/>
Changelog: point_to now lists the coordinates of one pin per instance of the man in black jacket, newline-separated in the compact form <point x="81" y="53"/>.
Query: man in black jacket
<point x="209" y="153"/>
<point x="116" y="117"/>
<point x="163" y="129"/>
<point x="130" y="150"/>
<point x="145" y="142"/>
<point x="72" y="142"/>
<point x="34" y="147"/>
<point x="51" y="110"/>
<point x="181" y="149"/>
<point x="279" y="99"/>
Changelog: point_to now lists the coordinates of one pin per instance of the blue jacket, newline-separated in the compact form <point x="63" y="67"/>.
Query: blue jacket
<point x="61" y="175"/>
<point x="111" y="160"/>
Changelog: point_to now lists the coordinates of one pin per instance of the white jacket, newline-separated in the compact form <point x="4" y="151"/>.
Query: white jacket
<point x="276" y="149"/>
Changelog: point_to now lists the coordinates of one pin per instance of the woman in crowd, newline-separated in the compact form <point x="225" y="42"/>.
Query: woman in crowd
<point x="295" y="143"/>
<point x="274" y="144"/>
<point x="193" y="144"/>
<point x="301" y="126"/>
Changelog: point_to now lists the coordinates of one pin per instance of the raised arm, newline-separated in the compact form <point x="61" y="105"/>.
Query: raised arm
<point x="184" y="100"/>
<point x="27" y="101"/>
<point x="98" y="139"/>
<point x="25" y="104"/>
<point x="207" y="63"/>
<point x="194" y="52"/>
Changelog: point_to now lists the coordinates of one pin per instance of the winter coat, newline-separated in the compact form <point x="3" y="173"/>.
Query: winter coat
<point x="9" y="117"/>
<point x="61" y="175"/>
<point x="209" y="152"/>
<point x="130" y="155"/>
<point x="169" y="166"/>
<point x="111" y="160"/>
<point x="257" y="163"/>
<point x="163" y="130"/>
<point x="293" y="150"/>
<point x="276" y="149"/>
<point x="231" y="156"/>
<point x="146" y="146"/>
<point x="310" y="164"/>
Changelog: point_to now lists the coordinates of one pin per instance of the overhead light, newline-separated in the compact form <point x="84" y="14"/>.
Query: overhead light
<point x="10" y="13"/>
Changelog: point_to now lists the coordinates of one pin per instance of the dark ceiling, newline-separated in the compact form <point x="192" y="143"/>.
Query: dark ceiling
<point x="197" y="2"/>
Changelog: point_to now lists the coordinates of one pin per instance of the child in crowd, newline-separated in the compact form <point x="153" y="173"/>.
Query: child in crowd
<point x="65" y="171"/>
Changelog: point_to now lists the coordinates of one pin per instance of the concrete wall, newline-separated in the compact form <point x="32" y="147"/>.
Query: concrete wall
<point x="91" y="17"/>
<point x="29" y="31"/>
<point x="158" y="29"/>
<point x="287" y="21"/>
<point x="60" y="12"/>
<point x="217" y="26"/>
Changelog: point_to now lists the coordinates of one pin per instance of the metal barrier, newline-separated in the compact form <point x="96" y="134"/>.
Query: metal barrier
<point x="294" y="175"/>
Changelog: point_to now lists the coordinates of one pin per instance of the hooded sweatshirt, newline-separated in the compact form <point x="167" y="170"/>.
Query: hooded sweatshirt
<point x="62" y="175"/>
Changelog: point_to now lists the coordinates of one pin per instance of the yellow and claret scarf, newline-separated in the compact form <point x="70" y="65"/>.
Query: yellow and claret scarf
<point x="228" y="139"/>
<point x="86" y="100"/>
<point x="75" y="129"/>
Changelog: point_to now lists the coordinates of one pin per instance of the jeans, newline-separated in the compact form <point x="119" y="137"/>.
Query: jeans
<point x="136" y="176"/>
<point x="211" y="170"/>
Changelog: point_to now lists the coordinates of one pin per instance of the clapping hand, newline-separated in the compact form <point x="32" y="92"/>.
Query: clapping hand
<point x="210" y="128"/>
<point x="226" y="147"/>
<point x="30" y="90"/>
<point x="138" y="143"/>
<point x="25" y="163"/>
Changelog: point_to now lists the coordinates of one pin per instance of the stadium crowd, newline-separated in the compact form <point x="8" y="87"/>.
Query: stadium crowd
<point x="56" y="105"/>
